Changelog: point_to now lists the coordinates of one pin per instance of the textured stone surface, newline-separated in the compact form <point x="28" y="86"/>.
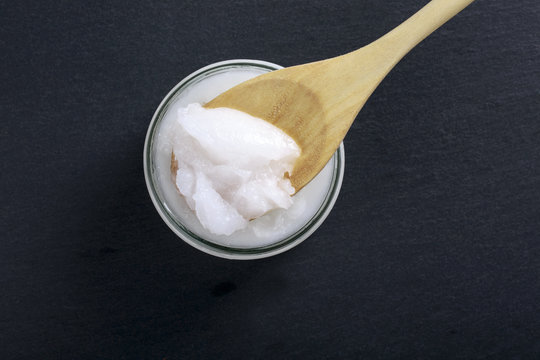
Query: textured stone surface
<point x="432" y="250"/>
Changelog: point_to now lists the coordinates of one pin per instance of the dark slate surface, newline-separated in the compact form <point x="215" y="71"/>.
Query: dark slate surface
<point x="432" y="250"/>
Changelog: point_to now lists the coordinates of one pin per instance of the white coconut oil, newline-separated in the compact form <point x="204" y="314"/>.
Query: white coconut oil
<point x="264" y="230"/>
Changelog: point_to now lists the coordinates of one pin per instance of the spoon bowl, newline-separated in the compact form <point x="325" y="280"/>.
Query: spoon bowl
<point x="295" y="109"/>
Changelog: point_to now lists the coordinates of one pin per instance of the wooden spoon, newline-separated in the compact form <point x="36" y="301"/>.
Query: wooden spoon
<point x="316" y="103"/>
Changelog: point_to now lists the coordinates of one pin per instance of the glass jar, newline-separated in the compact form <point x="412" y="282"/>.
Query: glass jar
<point x="165" y="201"/>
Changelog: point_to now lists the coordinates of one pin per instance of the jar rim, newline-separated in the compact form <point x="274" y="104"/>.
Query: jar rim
<point x="193" y="239"/>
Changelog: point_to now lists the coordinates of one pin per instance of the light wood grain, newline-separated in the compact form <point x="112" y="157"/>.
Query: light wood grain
<point x="316" y="103"/>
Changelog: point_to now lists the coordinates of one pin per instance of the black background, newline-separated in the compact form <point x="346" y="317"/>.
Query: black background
<point x="432" y="249"/>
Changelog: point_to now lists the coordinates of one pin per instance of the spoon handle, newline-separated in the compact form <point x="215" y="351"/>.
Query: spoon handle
<point x="416" y="28"/>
